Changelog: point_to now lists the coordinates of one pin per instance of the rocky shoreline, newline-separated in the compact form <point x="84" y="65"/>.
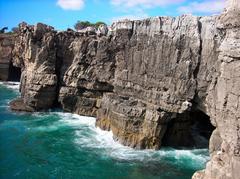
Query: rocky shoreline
<point x="151" y="81"/>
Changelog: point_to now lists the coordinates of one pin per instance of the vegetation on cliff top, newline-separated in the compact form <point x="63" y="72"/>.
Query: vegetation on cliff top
<point x="83" y="24"/>
<point x="13" y="30"/>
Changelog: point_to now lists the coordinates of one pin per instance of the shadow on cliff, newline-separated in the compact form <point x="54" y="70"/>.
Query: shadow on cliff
<point x="14" y="73"/>
<point x="192" y="132"/>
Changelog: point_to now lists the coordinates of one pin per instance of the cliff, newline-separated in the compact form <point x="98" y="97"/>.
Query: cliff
<point x="155" y="82"/>
<point x="223" y="102"/>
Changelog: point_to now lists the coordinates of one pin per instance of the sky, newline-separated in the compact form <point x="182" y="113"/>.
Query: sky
<point x="63" y="14"/>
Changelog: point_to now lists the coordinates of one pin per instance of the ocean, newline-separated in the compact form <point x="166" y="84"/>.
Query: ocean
<point x="56" y="144"/>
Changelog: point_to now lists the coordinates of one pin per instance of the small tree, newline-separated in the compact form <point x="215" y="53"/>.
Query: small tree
<point x="3" y="29"/>
<point x="82" y="24"/>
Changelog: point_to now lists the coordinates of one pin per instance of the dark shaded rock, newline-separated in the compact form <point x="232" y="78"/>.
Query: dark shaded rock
<point x="6" y="47"/>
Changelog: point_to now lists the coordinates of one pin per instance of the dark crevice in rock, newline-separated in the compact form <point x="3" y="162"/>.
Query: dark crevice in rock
<point x="14" y="73"/>
<point x="201" y="125"/>
<point x="222" y="33"/>
<point x="178" y="133"/>
<point x="58" y="66"/>
<point x="234" y="58"/>
<point x="195" y="72"/>
<point x="189" y="130"/>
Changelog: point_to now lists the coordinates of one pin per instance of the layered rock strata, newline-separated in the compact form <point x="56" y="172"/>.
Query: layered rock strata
<point x="69" y="68"/>
<point x="223" y="101"/>
<point x="35" y="53"/>
<point x="145" y="80"/>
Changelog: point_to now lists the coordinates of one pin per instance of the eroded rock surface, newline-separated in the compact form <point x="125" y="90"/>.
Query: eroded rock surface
<point x="90" y="74"/>
<point x="154" y="79"/>
<point x="223" y="101"/>
<point x="35" y="52"/>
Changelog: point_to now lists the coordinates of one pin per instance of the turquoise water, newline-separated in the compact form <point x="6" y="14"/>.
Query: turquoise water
<point x="63" y="145"/>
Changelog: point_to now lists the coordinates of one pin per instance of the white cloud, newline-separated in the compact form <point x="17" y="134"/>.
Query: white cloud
<point x="144" y="3"/>
<point x="129" y="17"/>
<point x="71" y="4"/>
<point x="205" y="7"/>
<point x="134" y="14"/>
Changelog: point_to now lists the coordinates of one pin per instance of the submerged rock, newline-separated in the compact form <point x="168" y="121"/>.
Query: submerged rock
<point x="19" y="105"/>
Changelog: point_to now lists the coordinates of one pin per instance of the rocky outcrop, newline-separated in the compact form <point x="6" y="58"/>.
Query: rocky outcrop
<point x="223" y="102"/>
<point x="154" y="79"/>
<point x="70" y="68"/>
<point x="35" y="52"/>
<point x="90" y="74"/>
<point x="152" y="82"/>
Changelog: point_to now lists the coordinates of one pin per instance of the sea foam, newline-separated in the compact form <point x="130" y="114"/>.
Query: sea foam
<point x="88" y="136"/>
<point x="11" y="85"/>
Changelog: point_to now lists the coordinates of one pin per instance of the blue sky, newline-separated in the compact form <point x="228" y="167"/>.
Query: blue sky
<point x="63" y="14"/>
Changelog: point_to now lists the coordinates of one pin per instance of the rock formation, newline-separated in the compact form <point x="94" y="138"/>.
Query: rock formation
<point x="223" y="102"/>
<point x="151" y="81"/>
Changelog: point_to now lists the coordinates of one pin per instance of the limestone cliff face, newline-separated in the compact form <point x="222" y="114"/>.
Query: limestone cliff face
<point x="35" y="53"/>
<point x="147" y="81"/>
<point x="89" y="74"/>
<point x="70" y="68"/>
<point x="154" y="80"/>
<point x="223" y="102"/>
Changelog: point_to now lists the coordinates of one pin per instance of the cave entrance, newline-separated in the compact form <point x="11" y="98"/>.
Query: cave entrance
<point x="191" y="129"/>
<point x="201" y="128"/>
<point x="14" y="73"/>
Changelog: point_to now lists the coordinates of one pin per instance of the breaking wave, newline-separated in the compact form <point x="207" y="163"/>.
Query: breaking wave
<point x="11" y="85"/>
<point x="89" y="137"/>
<point x="56" y="139"/>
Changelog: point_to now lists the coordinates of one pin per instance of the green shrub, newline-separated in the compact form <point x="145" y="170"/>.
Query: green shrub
<point x="83" y="24"/>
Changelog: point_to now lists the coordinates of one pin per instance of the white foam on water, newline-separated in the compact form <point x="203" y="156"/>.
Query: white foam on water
<point x="90" y="137"/>
<point x="11" y="85"/>
<point x="5" y="103"/>
<point x="61" y="120"/>
<point x="76" y="120"/>
<point x="52" y="127"/>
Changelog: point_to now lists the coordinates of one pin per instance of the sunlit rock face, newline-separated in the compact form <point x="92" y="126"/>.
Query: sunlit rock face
<point x="35" y="52"/>
<point x="146" y="80"/>
<point x="155" y="80"/>
<point x="223" y="102"/>
<point x="70" y="69"/>
<point x="233" y="5"/>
